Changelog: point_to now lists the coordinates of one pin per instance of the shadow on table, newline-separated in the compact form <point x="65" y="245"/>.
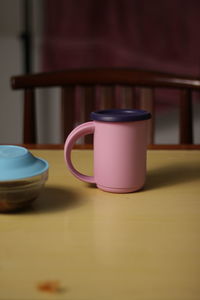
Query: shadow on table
<point x="56" y="199"/>
<point x="53" y="199"/>
<point x="170" y="175"/>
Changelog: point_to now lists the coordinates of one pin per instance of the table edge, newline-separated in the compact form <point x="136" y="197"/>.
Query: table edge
<point x="150" y="147"/>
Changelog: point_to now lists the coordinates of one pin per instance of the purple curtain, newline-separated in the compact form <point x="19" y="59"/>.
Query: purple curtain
<point x="158" y="34"/>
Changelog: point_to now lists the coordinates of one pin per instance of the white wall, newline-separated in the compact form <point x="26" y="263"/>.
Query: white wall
<point x="10" y="64"/>
<point x="11" y="102"/>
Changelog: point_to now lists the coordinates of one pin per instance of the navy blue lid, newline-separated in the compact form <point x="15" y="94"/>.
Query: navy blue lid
<point x="120" y="115"/>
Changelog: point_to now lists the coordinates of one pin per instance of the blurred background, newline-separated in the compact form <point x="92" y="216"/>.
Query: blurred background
<point x="49" y="35"/>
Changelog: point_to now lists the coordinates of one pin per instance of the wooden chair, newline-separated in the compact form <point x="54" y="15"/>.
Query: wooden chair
<point x="105" y="83"/>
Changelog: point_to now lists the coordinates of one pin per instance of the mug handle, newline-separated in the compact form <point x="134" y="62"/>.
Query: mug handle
<point x="79" y="131"/>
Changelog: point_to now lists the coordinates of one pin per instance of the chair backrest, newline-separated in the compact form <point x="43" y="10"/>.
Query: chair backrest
<point x="105" y="85"/>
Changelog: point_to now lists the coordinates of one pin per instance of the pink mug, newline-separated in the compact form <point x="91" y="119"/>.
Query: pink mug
<point x="120" y="143"/>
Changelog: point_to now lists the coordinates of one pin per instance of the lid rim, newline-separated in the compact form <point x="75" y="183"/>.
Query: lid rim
<point x="23" y="178"/>
<point x="120" y="115"/>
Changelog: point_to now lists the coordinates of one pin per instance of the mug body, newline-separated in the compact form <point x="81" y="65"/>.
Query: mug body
<point x="120" y="155"/>
<point x="120" y="142"/>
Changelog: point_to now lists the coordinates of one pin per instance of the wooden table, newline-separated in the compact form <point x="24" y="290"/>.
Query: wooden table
<point x="77" y="242"/>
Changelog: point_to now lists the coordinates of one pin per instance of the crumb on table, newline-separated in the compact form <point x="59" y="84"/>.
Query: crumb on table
<point x="50" y="286"/>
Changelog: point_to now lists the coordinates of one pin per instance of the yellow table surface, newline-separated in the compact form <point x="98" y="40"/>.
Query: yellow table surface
<point x="98" y="245"/>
